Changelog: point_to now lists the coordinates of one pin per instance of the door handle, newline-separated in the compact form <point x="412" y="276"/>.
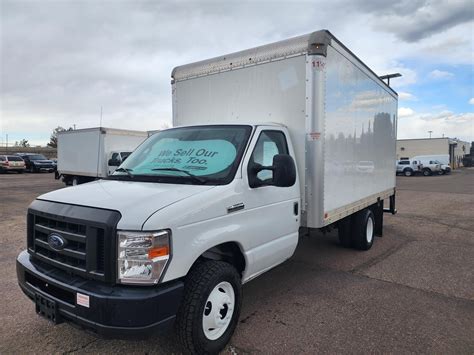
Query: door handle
<point x="236" y="207"/>
<point x="296" y="209"/>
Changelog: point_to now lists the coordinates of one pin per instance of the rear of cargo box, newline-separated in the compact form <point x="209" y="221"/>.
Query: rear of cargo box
<point x="78" y="152"/>
<point x="340" y="115"/>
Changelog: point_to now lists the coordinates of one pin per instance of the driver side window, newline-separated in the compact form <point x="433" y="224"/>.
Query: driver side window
<point x="269" y="144"/>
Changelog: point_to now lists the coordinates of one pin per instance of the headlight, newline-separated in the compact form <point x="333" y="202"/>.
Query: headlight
<point x="142" y="256"/>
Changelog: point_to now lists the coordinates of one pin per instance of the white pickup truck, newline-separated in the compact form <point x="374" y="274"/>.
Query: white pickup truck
<point x="410" y="167"/>
<point x="267" y="143"/>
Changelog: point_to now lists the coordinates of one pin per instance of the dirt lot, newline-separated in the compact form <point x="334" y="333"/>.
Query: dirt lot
<point x="412" y="292"/>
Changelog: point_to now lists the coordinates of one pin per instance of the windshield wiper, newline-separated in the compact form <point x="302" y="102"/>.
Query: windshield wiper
<point x="194" y="177"/>
<point x="128" y="171"/>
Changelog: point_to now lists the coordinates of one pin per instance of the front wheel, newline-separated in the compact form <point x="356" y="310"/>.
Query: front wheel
<point x="210" y="308"/>
<point x="426" y="172"/>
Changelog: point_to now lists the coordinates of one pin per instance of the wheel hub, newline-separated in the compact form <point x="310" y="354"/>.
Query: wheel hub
<point x="369" y="230"/>
<point x="218" y="310"/>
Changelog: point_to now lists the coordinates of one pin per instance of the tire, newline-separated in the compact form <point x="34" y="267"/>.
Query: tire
<point x="364" y="229"/>
<point x="408" y="172"/>
<point x="441" y="172"/>
<point x="75" y="181"/>
<point x="427" y="172"/>
<point x="19" y="171"/>
<point x="209" y="283"/>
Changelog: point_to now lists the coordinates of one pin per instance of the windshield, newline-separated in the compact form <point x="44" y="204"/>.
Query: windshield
<point x="37" y="157"/>
<point x="198" y="155"/>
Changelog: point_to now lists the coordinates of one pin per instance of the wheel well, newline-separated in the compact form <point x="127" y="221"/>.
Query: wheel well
<point x="229" y="252"/>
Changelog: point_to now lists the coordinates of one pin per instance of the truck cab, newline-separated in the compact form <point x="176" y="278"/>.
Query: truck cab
<point x="186" y="196"/>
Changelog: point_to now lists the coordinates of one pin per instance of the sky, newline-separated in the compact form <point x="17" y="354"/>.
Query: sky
<point x="62" y="61"/>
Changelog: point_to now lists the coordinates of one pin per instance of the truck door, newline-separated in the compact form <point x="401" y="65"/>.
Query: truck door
<point x="274" y="211"/>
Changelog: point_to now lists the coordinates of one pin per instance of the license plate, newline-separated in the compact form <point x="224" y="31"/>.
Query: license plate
<point x="47" y="308"/>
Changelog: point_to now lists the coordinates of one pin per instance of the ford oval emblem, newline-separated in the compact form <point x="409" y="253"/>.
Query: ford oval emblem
<point x="56" y="242"/>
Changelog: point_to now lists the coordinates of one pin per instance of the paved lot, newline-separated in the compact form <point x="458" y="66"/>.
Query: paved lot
<point x="412" y="292"/>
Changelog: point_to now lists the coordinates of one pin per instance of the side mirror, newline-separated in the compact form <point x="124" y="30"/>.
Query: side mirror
<point x="114" y="162"/>
<point x="284" y="170"/>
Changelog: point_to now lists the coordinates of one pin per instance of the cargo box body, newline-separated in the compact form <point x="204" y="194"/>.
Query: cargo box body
<point x="341" y="116"/>
<point x="85" y="152"/>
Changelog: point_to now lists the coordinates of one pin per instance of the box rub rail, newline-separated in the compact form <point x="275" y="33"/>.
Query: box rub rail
<point x="88" y="248"/>
<point x="339" y="213"/>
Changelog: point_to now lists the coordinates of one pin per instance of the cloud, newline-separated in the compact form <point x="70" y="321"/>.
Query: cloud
<point x="412" y="21"/>
<point x="405" y="96"/>
<point x="439" y="74"/>
<point x="405" y="112"/>
<point x="445" y="123"/>
<point x="66" y="60"/>
<point x="471" y="101"/>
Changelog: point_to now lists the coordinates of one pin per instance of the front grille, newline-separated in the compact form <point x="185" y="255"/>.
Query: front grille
<point x="86" y="240"/>
<point x="73" y="254"/>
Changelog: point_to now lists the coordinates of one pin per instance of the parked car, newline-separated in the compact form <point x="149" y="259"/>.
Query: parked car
<point x="408" y="167"/>
<point x="36" y="163"/>
<point x="442" y="160"/>
<point x="55" y="163"/>
<point x="11" y="163"/>
<point x="430" y="167"/>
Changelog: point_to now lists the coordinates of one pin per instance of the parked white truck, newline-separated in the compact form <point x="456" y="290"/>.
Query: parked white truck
<point x="88" y="154"/>
<point x="266" y="145"/>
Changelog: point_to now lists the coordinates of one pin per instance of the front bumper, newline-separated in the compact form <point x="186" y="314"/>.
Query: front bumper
<point x="114" y="310"/>
<point x="44" y="167"/>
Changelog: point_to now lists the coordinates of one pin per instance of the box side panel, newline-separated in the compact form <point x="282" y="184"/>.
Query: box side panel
<point x="269" y="92"/>
<point x="78" y="152"/>
<point x="359" y="137"/>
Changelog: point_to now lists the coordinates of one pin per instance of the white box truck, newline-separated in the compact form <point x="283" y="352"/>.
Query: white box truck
<point x="88" y="154"/>
<point x="268" y="142"/>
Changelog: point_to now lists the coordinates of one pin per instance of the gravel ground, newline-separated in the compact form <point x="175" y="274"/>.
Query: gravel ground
<point x="412" y="292"/>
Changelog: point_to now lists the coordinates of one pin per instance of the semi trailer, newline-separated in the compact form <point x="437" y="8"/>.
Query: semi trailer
<point x="267" y="144"/>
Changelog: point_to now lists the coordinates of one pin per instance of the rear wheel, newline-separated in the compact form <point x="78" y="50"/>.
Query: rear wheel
<point x="75" y="181"/>
<point x="210" y="308"/>
<point x="364" y="228"/>
<point x="426" y="172"/>
<point x="408" y="172"/>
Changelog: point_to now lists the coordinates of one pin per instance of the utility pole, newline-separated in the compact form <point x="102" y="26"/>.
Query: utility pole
<point x="430" y="133"/>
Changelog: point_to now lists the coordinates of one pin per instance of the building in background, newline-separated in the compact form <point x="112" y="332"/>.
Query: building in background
<point x="408" y="148"/>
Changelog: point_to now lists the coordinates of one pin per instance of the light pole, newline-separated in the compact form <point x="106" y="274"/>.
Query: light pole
<point x="430" y="133"/>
